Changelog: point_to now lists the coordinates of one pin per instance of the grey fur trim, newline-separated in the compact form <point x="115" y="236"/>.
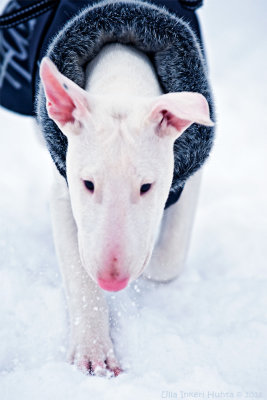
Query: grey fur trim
<point x="170" y="44"/>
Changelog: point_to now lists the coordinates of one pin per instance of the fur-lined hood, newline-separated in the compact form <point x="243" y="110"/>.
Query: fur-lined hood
<point x="170" y="44"/>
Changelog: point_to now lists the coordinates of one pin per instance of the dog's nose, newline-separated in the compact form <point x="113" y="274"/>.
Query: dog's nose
<point x="114" y="284"/>
<point x="113" y="275"/>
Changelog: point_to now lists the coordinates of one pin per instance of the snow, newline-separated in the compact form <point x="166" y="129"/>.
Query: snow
<point x="202" y="336"/>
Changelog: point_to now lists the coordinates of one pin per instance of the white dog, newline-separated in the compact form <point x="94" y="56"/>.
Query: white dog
<point x="109" y="222"/>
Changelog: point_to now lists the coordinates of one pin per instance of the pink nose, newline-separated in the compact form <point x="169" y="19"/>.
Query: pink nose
<point x="113" y="275"/>
<point x="113" y="285"/>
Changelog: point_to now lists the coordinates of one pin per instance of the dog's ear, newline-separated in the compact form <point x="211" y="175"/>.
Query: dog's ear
<point x="173" y="113"/>
<point x="66" y="102"/>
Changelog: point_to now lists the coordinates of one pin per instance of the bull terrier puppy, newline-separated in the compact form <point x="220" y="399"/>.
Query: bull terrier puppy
<point x="109" y="221"/>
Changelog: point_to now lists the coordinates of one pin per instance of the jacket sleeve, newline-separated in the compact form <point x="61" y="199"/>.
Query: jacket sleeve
<point x="191" y="4"/>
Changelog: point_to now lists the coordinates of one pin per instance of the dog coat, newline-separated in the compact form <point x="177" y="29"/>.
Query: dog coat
<point x="26" y="29"/>
<point x="170" y="42"/>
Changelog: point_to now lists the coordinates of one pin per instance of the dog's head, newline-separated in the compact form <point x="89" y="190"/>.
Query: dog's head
<point x="119" y="169"/>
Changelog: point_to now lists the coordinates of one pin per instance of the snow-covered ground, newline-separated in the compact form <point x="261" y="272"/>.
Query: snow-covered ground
<point x="203" y="336"/>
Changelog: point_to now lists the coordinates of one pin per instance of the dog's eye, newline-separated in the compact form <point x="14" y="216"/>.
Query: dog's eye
<point x="89" y="186"/>
<point x="145" y="188"/>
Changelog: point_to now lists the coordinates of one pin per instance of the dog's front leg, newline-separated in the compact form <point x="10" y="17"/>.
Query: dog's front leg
<point x="170" y="251"/>
<point x="91" y="348"/>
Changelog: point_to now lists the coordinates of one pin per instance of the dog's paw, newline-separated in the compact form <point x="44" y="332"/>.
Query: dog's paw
<point x="95" y="358"/>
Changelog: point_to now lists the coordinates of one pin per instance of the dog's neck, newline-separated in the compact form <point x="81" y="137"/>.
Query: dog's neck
<point x="112" y="73"/>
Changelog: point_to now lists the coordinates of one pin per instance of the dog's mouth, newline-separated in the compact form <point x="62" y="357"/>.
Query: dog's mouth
<point x="144" y="265"/>
<point x="146" y="261"/>
<point x="95" y="280"/>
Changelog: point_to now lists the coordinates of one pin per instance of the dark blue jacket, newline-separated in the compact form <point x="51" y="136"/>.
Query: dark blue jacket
<point x="23" y="46"/>
<point x="26" y="30"/>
